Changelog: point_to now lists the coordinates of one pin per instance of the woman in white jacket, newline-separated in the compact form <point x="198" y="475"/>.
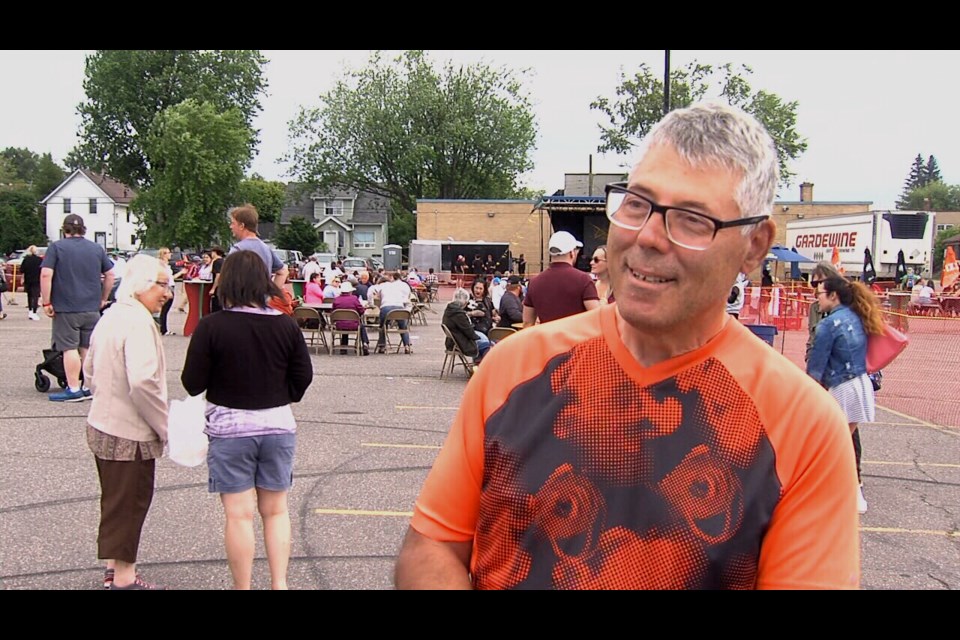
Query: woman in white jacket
<point x="127" y="425"/>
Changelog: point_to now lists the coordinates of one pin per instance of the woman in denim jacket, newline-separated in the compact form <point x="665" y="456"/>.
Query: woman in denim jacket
<point x="838" y="358"/>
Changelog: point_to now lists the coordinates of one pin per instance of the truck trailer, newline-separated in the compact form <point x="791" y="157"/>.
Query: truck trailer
<point x="885" y="233"/>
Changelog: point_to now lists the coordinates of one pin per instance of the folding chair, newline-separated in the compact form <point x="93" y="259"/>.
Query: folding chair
<point x="432" y="289"/>
<point x="454" y="357"/>
<point x="312" y="333"/>
<point x="416" y="309"/>
<point x="345" y="315"/>
<point x="497" y="334"/>
<point x="396" y="316"/>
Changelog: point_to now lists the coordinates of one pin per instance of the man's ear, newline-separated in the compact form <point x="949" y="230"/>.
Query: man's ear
<point x="761" y="239"/>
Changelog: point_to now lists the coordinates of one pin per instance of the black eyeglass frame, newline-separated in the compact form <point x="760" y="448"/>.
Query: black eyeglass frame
<point x="621" y="187"/>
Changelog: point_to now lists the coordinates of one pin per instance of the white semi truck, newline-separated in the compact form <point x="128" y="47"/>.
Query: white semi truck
<point x="885" y="233"/>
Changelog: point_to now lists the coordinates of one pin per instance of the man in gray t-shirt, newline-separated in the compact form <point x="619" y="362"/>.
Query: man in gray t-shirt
<point x="73" y="293"/>
<point x="243" y="225"/>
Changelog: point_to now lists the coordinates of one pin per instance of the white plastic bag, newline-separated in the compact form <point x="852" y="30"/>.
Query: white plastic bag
<point x="185" y="437"/>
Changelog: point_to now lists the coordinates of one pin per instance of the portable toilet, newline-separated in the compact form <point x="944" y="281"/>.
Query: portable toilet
<point x="392" y="257"/>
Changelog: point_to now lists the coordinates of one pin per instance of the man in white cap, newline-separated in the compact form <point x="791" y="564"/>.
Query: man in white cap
<point x="561" y="290"/>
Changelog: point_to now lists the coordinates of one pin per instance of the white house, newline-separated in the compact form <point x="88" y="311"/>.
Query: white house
<point x="102" y="202"/>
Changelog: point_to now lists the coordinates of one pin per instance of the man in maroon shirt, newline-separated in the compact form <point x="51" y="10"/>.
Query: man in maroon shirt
<point x="561" y="290"/>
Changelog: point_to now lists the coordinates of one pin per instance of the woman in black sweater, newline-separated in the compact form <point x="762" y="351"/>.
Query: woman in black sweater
<point x="252" y="362"/>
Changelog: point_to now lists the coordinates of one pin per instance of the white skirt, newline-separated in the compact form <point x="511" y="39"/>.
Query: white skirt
<point x="856" y="399"/>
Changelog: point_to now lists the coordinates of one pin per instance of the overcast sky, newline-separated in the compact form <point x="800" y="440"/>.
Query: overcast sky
<point x="865" y="115"/>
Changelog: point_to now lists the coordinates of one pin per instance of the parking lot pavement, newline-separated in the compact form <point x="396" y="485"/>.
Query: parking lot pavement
<point x="368" y="431"/>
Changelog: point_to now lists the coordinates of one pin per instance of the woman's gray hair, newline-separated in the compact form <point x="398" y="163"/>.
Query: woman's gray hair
<point x="141" y="272"/>
<point x="461" y="297"/>
<point x="718" y="135"/>
<point x="826" y="270"/>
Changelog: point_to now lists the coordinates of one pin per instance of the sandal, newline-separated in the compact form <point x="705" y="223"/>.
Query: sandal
<point x="408" y="349"/>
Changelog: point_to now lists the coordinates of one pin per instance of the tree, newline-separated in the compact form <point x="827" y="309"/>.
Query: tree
<point x="639" y="105"/>
<point x="403" y="130"/>
<point x="931" y="173"/>
<point x="268" y="197"/>
<point x="47" y="176"/>
<point x="26" y="169"/>
<point x="920" y="176"/>
<point x="200" y="155"/>
<point x="23" y="161"/>
<point x="935" y="196"/>
<point x="939" y="246"/>
<point x="299" y="235"/>
<point x="20" y="226"/>
<point x="127" y="90"/>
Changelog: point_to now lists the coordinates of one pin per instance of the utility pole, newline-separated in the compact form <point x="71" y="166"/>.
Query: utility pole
<point x="666" y="81"/>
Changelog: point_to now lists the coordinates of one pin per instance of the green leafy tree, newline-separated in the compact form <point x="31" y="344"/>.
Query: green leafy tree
<point x="200" y="154"/>
<point x="8" y="174"/>
<point x="23" y="161"/>
<point x="940" y="245"/>
<point x="405" y="130"/>
<point x="934" y="196"/>
<point x="127" y="90"/>
<point x="20" y="226"/>
<point x="267" y="196"/>
<point x="299" y="234"/>
<point x="638" y="106"/>
<point x="47" y="176"/>
<point x="921" y="175"/>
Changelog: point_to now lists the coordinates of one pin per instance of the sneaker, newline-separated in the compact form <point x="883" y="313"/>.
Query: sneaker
<point x="861" y="501"/>
<point x="108" y="578"/>
<point x="87" y="394"/>
<point x="137" y="585"/>
<point x="67" y="396"/>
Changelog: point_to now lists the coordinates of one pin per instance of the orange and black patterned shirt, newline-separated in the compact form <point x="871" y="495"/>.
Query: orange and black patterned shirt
<point x="571" y="466"/>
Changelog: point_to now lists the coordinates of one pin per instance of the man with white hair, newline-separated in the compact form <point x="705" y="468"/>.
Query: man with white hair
<point x="562" y="290"/>
<point x="655" y="443"/>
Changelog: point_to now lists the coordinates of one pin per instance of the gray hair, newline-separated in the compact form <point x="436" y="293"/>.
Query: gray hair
<point x="461" y="297"/>
<point x="716" y="134"/>
<point x="141" y="272"/>
<point x="826" y="270"/>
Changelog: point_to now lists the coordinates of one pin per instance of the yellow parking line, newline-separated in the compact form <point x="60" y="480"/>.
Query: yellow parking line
<point x="403" y="407"/>
<point x="926" y="532"/>
<point x="362" y="512"/>
<point x="399" y="446"/>
<point x="913" y="464"/>
<point x="952" y="431"/>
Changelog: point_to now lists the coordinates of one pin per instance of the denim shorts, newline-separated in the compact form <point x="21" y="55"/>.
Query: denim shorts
<point x="239" y="464"/>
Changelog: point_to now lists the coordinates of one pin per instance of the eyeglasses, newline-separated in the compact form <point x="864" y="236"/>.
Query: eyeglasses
<point x="596" y="259"/>
<point x="815" y="283"/>
<point x="687" y="229"/>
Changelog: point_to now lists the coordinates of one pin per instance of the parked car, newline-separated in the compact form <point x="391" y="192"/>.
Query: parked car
<point x="356" y="264"/>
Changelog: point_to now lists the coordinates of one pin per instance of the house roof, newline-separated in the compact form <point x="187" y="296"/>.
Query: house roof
<point x="368" y="208"/>
<point x="113" y="189"/>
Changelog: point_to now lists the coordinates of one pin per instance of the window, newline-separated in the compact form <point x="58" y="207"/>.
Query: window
<point x="93" y="205"/>
<point x="941" y="227"/>
<point x="133" y="240"/>
<point x="333" y="207"/>
<point x="66" y="205"/>
<point x="364" y="240"/>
